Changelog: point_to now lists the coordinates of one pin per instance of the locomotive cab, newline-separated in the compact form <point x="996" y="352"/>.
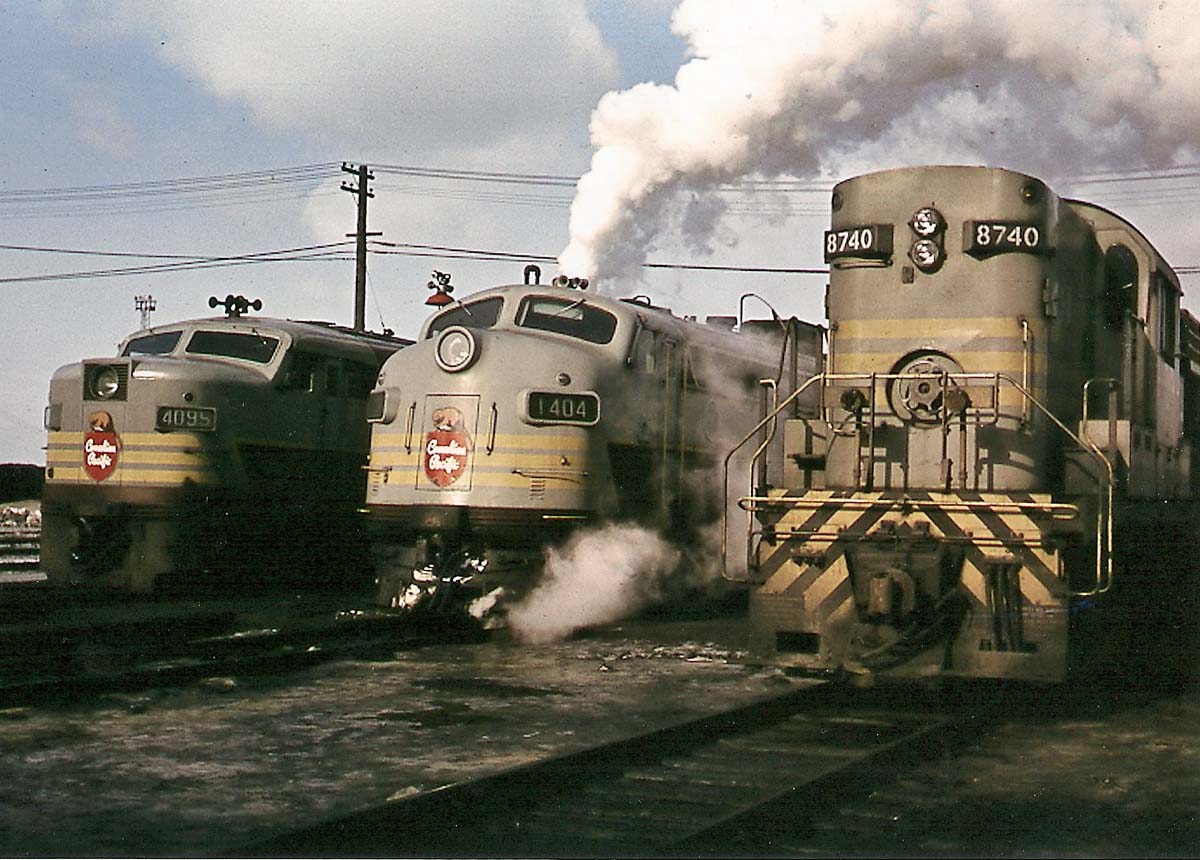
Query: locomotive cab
<point x="193" y="458"/>
<point x="525" y="412"/>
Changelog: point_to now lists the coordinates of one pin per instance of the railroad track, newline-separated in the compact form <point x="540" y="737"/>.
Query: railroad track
<point x="742" y="782"/>
<point x="66" y="650"/>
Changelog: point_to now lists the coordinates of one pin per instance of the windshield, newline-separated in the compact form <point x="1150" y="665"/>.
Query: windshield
<point x="481" y="314"/>
<point x="230" y="344"/>
<point x="569" y="317"/>
<point x="153" y="344"/>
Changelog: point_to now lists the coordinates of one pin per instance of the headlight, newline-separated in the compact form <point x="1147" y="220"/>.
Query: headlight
<point x="105" y="382"/>
<point x="927" y="222"/>
<point x="456" y="349"/>
<point x="926" y="254"/>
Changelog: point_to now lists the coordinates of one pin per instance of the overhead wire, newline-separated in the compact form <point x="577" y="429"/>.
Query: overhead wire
<point x="1128" y="188"/>
<point x="327" y="252"/>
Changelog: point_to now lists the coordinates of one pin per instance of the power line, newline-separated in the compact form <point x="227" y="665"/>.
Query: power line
<point x="187" y="185"/>
<point x="336" y="251"/>
<point x="414" y="250"/>
<point x="328" y="252"/>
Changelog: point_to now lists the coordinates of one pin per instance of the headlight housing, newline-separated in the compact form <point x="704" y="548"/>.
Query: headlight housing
<point x="927" y="222"/>
<point x="104" y="382"/>
<point x="456" y="349"/>
<point x="927" y="254"/>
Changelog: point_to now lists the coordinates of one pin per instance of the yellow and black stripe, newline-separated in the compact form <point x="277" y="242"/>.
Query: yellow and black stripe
<point x="807" y="534"/>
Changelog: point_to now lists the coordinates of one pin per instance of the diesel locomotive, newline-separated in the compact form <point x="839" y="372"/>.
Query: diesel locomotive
<point x="527" y="411"/>
<point x="1000" y="479"/>
<point x="211" y="455"/>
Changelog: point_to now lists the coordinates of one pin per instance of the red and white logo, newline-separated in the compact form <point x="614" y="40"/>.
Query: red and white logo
<point x="447" y="447"/>
<point x="101" y="446"/>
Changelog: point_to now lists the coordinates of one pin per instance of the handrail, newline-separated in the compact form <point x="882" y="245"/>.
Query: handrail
<point x="408" y="427"/>
<point x="779" y="407"/>
<point x="1056" y="510"/>
<point x="493" y="413"/>
<point x="1104" y="572"/>
<point x="1104" y="525"/>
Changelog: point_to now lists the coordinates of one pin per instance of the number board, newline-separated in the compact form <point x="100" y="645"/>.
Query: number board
<point x="168" y="418"/>
<point x="867" y="241"/>
<point x="554" y="407"/>
<point x="988" y="238"/>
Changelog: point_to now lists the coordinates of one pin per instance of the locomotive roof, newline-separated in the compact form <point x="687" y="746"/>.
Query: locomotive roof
<point x="938" y="168"/>
<point x="623" y="308"/>
<point x="1102" y="218"/>
<point x="305" y="332"/>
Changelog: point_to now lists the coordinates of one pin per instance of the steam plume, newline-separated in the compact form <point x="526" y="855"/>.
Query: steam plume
<point x="780" y="87"/>
<point x="599" y="576"/>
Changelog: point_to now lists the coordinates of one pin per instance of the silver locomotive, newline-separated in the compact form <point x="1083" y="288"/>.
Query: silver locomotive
<point x="527" y="411"/>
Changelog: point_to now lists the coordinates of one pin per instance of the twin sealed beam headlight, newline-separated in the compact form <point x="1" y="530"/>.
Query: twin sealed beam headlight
<point x="456" y="349"/>
<point x="926" y="252"/>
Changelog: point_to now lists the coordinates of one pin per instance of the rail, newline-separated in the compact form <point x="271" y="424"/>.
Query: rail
<point x="700" y="787"/>
<point x="1104" y="575"/>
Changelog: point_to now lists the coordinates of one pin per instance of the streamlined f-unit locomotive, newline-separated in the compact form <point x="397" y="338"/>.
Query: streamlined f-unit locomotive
<point x="526" y="411"/>
<point x="999" y="481"/>
<point x="211" y="454"/>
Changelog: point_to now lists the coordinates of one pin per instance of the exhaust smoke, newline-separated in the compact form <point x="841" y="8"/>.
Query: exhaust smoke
<point x="830" y="87"/>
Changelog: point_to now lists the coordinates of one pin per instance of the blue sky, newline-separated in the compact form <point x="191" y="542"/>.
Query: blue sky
<point x="134" y="91"/>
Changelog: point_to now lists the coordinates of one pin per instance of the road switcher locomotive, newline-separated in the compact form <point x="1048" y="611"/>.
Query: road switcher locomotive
<point x="1002" y="468"/>
<point x="211" y="453"/>
<point x="526" y="411"/>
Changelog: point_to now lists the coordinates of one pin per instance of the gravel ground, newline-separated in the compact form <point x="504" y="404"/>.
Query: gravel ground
<point x="203" y="769"/>
<point x="192" y="771"/>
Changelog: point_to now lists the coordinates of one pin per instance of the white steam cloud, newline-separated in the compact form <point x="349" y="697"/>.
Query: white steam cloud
<point x="597" y="577"/>
<point x="777" y="87"/>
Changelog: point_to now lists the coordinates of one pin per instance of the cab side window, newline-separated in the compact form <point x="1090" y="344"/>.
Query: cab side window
<point x="1120" y="285"/>
<point x="300" y="373"/>
<point x="1168" y="317"/>
<point x="642" y="356"/>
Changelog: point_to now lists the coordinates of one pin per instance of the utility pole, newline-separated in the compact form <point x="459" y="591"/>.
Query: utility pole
<point x="144" y="305"/>
<point x="362" y="192"/>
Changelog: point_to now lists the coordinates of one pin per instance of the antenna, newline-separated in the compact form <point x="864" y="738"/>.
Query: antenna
<point x="145" y="305"/>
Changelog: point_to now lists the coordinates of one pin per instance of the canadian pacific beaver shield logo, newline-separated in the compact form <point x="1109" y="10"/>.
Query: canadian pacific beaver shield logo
<point x="100" y="447"/>
<point x="447" y="447"/>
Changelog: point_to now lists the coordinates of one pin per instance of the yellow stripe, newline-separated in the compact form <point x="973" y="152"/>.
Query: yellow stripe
<point x="1034" y="591"/>
<point x="941" y="328"/>
<point x="165" y="478"/>
<point x="134" y="457"/>
<point x="127" y="477"/>
<point x="394" y="441"/>
<point x="74" y="439"/>
<point x="1009" y="363"/>
<point x="782" y="579"/>
<point x="573" y="484"/>
<point x="974" y="582"/>
<point x="548" y="460"/>
<point x="834" y="575"/>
